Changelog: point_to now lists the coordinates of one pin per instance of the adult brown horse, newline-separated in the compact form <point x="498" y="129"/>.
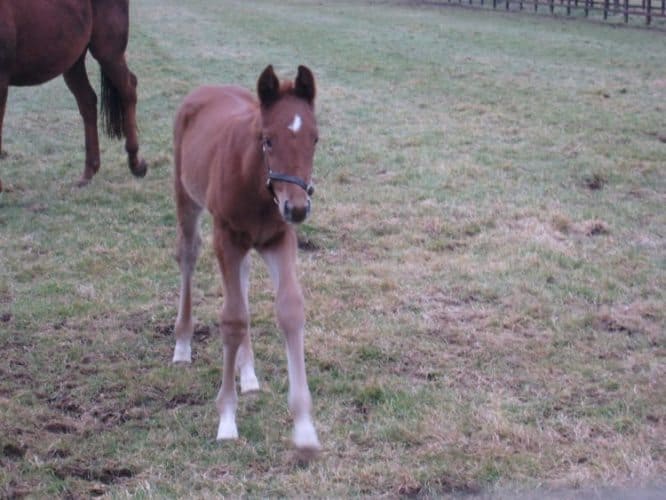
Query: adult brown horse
<point x="249" y="163"/>
<point x="41" y="39"/>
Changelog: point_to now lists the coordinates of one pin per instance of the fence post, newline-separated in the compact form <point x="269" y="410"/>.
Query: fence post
<point x="626" y="11"/>
<point x="552" y="5"/>
<point x="568" y="7"/>
<point x="648" y="13"/>
<point x="606" y="8"/>
<point x="587" y="8"/>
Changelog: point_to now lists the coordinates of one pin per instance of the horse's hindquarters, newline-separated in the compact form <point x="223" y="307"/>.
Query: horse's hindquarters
<point x="50" y="38"/>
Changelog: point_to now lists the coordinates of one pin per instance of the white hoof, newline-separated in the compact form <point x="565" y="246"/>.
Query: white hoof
<point x="183" y="352"/>
<point x="227" y="429"/>
<point x="305" y="436"/>
<point x="248" y="382"/>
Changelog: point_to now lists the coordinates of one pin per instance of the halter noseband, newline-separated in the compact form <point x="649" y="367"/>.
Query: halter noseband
<point x="275" y="176"/>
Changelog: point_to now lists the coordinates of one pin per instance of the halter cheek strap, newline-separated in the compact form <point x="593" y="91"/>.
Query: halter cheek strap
<point x="291" y="179"/>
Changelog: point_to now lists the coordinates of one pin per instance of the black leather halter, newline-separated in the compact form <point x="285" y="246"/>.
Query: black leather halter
<point x="275" y="176"/>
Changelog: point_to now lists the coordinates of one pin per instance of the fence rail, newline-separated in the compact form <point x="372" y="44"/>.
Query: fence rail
<point x="643" y="9"/>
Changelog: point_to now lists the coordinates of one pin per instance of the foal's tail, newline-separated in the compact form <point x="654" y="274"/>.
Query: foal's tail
<point x="113" y="114"/>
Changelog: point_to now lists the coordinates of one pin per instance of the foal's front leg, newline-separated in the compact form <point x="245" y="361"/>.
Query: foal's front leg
<point x="245" y="356"/>
<point x="281" y="261"/>
<point x="234" y="323"/>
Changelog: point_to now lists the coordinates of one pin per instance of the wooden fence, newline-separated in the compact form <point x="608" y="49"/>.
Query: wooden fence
<point x="646" y="10"/>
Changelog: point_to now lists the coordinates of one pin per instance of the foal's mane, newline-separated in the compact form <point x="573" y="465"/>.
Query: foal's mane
<point x="286" y="87"/>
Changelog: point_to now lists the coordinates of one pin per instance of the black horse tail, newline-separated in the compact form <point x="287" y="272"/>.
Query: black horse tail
<point x="111" y="108"/>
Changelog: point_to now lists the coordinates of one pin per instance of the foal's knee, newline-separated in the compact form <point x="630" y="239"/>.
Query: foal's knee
<point x="187" y="251"/>
<point x="290" y="311"/>
<point x="234" y="330"/>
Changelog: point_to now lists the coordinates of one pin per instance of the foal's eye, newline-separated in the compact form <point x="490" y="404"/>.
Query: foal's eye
<point x="267" y="143"/>
<point x="316" y="140"/>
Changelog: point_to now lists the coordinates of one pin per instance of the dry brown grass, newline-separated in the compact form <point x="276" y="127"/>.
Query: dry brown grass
<point x="484" y="270"/>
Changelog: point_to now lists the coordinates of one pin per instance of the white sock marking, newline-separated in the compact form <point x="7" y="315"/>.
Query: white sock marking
<point x="227" y="428"/>
<point x="182" y="352"/>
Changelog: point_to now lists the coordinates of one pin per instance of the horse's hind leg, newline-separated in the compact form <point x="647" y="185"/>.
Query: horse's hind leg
<point x="3" y="102"/>
<point x="189" y="242"/>
<point x="4" y="87"/>
<point x="107" y="45"/>
<point x="77" y="81"/>
<point x="120" y="85"/>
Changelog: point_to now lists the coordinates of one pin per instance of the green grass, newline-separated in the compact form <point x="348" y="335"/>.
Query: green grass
<point x="484" y="281"/>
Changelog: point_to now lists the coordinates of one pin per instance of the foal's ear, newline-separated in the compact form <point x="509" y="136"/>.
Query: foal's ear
<point x="268" y="87"/>
<point x="304" y="85"/>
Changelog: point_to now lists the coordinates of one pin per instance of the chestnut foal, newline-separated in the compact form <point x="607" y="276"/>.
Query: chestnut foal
<point x="249" y="164"/>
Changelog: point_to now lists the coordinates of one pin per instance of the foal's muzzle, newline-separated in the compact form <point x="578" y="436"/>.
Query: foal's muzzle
<point x="294" y="214"/>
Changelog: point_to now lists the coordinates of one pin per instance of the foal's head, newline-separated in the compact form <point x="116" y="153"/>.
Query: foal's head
<point x="289" y="135"/>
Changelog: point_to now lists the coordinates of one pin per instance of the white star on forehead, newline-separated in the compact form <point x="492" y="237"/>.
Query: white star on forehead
<point x="296" y="124"/>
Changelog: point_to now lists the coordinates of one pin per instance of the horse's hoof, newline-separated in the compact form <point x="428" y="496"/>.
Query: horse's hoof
<point x="140" y="169"/>
<point x="248" y="381"/>
<point x="83" y="182"/>
<point x="227" y="429"/>
<point x="182" y="353"/>
<point x="305" y="439"/>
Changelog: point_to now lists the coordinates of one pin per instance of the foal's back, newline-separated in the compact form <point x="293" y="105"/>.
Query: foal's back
<point x="215" y="127"/>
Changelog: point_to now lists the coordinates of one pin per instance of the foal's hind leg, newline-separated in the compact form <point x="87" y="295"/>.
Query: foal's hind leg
<point x="77" y="81"/>
<point x="189" y="243"/>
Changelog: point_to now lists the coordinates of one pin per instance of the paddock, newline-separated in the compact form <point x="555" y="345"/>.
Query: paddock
<point x="483" y="269"/>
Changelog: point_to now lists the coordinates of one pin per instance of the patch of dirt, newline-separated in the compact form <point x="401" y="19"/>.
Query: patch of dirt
<point x="105" y="475"/>
<point x="61" y="427"/>
<point x="13" y="451"/>
<point x="307" y="244"/>
<point x="631" y="320"/>
<point x="594" y="182"/>
<point x="15" y="490"/>
<point x="187" y="399"/>
<point x="137" y="322"/>
<point x="595" y="228"/>
<point x="164" y="330"/>
<point x="449" y="485"/>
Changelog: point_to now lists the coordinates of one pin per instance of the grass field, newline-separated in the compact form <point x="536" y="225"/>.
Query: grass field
<point x="485" y="267"/>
